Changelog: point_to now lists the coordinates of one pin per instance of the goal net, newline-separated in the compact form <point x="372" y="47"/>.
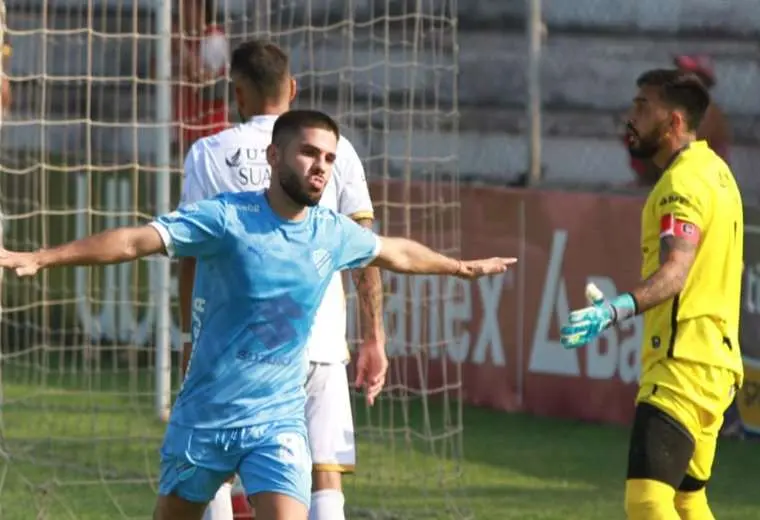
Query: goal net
<point x="79" y="431"/>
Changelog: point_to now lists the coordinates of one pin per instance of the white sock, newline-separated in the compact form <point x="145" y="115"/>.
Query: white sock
<point x="327" y="504"/>
<point x="220" y="508"/>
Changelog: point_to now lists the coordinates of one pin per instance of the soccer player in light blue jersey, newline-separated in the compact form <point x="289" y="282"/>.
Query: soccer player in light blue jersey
<point x="264" y="262"/>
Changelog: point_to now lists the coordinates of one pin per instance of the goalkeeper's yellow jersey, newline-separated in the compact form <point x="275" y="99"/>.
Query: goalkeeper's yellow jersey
<point x="698" y="193"/>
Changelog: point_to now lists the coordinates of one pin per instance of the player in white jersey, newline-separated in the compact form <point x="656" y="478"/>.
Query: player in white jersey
<point x="234" y="160"/>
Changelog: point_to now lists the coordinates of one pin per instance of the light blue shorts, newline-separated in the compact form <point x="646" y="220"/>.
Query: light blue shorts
<point x="269" y="459"/>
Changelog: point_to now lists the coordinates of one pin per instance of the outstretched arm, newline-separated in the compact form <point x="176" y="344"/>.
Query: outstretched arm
<point x="197" y="230"/>
<point x="358" y="247"/>
<point x="109" y="247"/>
<point x="407" y="256"/>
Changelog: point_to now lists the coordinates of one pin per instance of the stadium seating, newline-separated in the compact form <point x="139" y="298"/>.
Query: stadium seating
<point x="594" y="51"/>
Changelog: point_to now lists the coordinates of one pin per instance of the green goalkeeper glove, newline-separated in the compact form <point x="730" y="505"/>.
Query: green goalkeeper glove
<point x="585" y="325"/>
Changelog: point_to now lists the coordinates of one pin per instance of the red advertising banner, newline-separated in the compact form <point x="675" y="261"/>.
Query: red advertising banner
<point x="575" y="239"/>
<point x="748" y="398"/>
<point x="503" y="332"/>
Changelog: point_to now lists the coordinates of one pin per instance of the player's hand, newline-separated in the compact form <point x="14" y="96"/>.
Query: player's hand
<point x="24" y="264"/>
<point x="371" y="368"/>
<point x="472" y="269"/>
<point x="585" y="325"/>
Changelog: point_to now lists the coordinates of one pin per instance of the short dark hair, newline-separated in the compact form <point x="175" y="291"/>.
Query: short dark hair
<point x="679" y="89"/>
<point x="293" y="121"/>
<point x="265" y="65"/>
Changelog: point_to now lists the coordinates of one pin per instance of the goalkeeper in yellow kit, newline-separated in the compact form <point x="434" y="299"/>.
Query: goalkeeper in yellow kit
<point x="691" y="246"/>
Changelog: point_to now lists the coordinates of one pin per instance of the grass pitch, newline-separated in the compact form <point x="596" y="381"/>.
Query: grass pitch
<point x="82" y="445"/>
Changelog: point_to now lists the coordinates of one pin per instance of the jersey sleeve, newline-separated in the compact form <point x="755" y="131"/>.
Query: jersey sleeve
<point x="201" y="174"/>
<point x="353" y="198"/>
<point x="682" y="205"/>
<point x="195" y="230"/>
<point x="357" y="246"/>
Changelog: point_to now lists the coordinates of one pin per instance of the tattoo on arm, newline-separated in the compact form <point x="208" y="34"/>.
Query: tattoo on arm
<point x="369" y="288"/>
<point x="676" y="258"/>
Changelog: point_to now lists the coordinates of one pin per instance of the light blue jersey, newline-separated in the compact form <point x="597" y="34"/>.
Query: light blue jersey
<point x="259" y="281"/>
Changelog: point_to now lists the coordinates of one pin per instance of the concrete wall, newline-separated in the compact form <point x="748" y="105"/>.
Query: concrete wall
<point x="595" y="50"/>
<point x="734" y="17"/>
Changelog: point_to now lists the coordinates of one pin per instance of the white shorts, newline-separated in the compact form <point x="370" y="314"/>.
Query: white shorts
<point x="329" y="420"/>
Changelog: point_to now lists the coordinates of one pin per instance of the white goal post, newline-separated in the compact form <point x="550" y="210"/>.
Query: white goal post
<point x="89" y="355"/>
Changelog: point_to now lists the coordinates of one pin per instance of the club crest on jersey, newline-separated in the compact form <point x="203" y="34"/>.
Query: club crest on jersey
<point x="322" y="261"/>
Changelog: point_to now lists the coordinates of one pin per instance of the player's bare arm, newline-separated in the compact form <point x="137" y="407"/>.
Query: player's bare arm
<point x="407" y="256"/>
<point x="369" y="288"/>
<point x="677" y="255"/>
<point x="372" y="362"/>
<point x="109" y="247"/>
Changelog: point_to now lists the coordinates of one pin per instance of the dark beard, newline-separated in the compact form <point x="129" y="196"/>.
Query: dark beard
<point x="648" y="145"/>
<point x="645" y="150"/>
<point x="292" y="188"/>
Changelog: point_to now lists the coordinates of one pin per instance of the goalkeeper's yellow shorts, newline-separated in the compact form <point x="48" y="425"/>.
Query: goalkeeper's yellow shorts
<point x="696" y="396"/>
